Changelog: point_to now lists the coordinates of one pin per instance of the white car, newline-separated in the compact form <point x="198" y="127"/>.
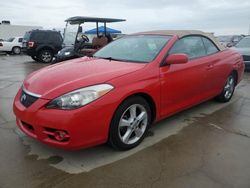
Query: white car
<point x="13" y="45"/>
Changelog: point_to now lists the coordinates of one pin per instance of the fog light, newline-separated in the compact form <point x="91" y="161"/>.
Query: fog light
<point x="61" y="136"/>
<point x="58" y="135"/>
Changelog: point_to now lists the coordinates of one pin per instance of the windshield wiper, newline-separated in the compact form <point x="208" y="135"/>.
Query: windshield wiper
<point x="109" y="58"/>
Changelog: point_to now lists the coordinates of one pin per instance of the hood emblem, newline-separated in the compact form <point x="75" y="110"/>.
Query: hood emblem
<point x="23" y="97"/>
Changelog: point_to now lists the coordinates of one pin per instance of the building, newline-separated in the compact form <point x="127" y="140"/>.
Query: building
<point x="7" y="30"/>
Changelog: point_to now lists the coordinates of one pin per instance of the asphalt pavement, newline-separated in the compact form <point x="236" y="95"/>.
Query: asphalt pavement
<point x="207" y="146"/>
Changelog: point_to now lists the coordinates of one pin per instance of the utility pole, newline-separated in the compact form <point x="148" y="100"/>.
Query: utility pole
<point x="249" y="30"/>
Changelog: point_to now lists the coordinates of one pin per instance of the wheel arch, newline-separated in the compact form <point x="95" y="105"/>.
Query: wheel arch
<point x="46" y="48"/>
<point x="235" y="74"/>
<point x="150" y="101"/>
<point x="112" y="139"/>
<point x="16" y="47"/>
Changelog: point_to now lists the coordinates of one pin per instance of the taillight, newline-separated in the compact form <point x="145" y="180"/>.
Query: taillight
<point x="1" y="44"/>
<point x="30" y="44"/>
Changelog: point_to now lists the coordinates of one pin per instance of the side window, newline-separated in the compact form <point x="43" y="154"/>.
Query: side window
<point x="192" y="46"/>
<point x="20" y="40"/>
<point x="58" y="38"/>
<point x="51" y="37"/>
<point x="39" y="36"/>
<point x="209" y="45"/>
<point x="54" y="37"/>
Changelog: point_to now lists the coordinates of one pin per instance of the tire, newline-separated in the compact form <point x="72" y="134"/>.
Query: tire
<point x="16" y="50"/>
<point x="228" y="89"/>
<point x="130" y="123"/>
<point x="45" y="56"/>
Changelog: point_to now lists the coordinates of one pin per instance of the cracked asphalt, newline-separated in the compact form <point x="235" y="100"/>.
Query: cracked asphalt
<point x="210" y="150"/>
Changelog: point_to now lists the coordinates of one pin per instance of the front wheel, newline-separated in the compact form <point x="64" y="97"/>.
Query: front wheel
<point x="228" y="89"/>
<point x="130" y="123"/>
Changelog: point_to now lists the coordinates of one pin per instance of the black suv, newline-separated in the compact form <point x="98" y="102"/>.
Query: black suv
<point x="42" y="45"/>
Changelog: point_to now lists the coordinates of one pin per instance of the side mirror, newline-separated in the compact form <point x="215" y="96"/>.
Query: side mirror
<point x="177" y="59"/>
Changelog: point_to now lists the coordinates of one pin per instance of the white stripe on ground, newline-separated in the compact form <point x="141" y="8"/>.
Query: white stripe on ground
<point x="216" y="126"/>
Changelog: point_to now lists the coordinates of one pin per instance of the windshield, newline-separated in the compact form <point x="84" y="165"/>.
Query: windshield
<point x="70" y="34"/>
<point x="27" y="36"/>
<point x="225" y="38"/>
<point x="141" y="48"/>
<point x="10" y="40"/>
<point x="244" y="43"/>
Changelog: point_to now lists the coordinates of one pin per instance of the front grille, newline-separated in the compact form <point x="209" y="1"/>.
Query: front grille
<point x="246" y="57"/>
<point x="26" y="99"/>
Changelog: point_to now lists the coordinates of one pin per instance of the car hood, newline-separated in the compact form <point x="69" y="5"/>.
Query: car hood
<point x="58" y="79"/>
<point x="243" y="51"/>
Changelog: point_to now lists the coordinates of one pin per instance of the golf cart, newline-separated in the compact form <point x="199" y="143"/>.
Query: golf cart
<point x="78" y="44"/>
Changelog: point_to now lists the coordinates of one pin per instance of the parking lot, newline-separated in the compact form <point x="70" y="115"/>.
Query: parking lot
<point x="206" y="146"/>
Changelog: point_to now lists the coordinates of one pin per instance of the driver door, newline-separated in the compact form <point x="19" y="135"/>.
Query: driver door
<point x="183" y="85"/>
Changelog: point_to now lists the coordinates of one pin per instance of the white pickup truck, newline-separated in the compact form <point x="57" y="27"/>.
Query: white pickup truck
<point x="13" y="45"/>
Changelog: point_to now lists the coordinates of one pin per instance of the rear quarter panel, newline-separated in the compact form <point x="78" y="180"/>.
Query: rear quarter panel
<point x="7" y="46"/>
<point x="225" y="63"/>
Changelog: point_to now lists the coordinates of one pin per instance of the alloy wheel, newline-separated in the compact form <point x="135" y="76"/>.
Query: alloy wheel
<point x="133" y="124"/>
<point x="17" y="50"/>
<point x="46" y="56"/>
<point x="229" y="87"/>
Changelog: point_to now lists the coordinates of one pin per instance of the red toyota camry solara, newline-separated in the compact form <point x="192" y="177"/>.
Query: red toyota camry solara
<point x="118" y="93"/>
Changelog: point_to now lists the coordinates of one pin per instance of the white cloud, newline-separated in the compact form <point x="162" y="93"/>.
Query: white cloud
<point x="219" y="16"/>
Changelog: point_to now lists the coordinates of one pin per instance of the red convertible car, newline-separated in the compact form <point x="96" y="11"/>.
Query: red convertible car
<point x="125" y="87"/>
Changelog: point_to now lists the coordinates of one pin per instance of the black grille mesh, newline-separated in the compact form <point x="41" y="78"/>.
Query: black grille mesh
<point x="27" y="100"/>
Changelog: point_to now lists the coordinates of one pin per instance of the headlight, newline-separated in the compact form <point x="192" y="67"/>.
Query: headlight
<point x="80" y="97"/>
<point x="67" y="53"/>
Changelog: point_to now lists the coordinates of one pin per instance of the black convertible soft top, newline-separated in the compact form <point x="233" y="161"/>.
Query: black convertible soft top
<point x="82" y="19"/>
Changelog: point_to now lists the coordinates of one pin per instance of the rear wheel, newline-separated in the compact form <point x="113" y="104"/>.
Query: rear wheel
<point x="45" y="56"/>
<point x="130" y="123"/>
<point x="16" y="50"/>
<point x="228" y="89"/>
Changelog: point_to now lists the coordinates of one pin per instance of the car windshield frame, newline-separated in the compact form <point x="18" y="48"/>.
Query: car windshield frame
<point x="238" y="45"/>
<point x="27" y="36"/>
<point x="70" y="34"/>
<point x="73" y="25"/>
<point x="167" y="38"/>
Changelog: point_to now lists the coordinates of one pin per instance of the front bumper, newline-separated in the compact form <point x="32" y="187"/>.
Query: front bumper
<point x="86" y="126"/>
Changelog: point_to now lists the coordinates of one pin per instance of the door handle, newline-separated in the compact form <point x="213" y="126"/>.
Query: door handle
<point x="210" y="66"/>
